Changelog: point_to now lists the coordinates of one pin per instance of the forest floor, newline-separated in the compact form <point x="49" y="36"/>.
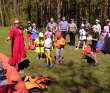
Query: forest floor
<point x="75" y="75"/>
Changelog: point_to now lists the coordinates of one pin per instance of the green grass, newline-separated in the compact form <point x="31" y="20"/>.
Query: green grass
<point x="75" y="75"/>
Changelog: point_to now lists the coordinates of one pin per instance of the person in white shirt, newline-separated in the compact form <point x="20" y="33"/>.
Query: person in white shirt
<point x="82" y="37"/>
<point x="98" y="26"/>
<point x="47" y="47"/>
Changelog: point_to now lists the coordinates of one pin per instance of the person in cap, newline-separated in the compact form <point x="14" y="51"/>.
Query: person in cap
<point x="34" y="33"/>
<point x="95" y="39"/>
<point x="59" y="45"/>
<point x="47" y="47"/>
<point x="63" y="27"/>
<point x="18" y="50"/>
<point x="54" y="27"/>
<point x="87" y="28"/>
<point x="82" y="37"/>
<point x="39" y="42"/>
<point x="105" y="35"/>
<point x="72" y="32"/>
<point x="98" y="26"/>
<point x="29" y="30"/>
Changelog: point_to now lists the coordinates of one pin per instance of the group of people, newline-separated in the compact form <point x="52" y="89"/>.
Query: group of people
<point x="45" y="45"/>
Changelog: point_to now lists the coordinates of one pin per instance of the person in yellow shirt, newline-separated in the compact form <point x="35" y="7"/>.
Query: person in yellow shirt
<point x="39" y="45"/>
<point x="59" y="45"/>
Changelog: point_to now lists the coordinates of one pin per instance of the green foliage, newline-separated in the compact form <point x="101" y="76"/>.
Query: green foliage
<point x="37" y="10"/>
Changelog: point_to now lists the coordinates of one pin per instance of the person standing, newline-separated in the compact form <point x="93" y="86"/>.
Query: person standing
<point x="39" y="45"/>
<point x="82" y="37"/>
<point x="87" y="27"/>
<point x="72" y="32"/>
<point x="47" y="47"/>
<point x="18" y="46"/>
<point x="105" y="35"/>
<point x="29" y="30"/>
<point x="98" y="26"/>
<point x="63" y="27"/>
<point x="21" y="26"/>
<point x="95" y="39"/>
<point x="59" y="45"/>
<point x="34" y="33"/>
<point x="52" y="25"/>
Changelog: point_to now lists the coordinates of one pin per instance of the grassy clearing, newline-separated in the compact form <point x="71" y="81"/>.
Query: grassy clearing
<point x="75" y="75"/>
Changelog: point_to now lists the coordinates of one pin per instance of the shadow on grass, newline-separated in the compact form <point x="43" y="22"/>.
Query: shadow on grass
<point x="76" y="79"/>
<point x="89" y="59"/>
<point x="23" y="64"/>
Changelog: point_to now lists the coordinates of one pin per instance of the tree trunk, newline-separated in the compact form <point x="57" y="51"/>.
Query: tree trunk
<point x="15" y="5"/>
<point x="1" y="14"/>
<point x="58" y="10"/>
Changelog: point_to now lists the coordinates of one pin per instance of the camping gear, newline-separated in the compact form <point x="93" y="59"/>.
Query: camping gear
<point x="88" y="50"/>
<point x="12" y="75"/>
<point x="32" y="47"/>
<point x="36" y="84"/>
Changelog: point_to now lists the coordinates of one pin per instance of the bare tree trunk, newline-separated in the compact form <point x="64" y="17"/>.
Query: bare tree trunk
<point x="15" y="5"/>
<point x="1" y="14"/>
<point x="89" y="11"/>
<point x="105" y="10"/>
<point x="58" y="10"/>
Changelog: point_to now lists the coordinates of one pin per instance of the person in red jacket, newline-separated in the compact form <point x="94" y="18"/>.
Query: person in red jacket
<point x="59" y="45"/>
<point x="18" y="50"/>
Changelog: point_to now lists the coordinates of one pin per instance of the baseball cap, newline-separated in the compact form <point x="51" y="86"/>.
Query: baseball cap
<point x="41" y="34"/>
<point x="94" y="26"/>
<point x="97" y="20"/>
<point x="82" y="25"/>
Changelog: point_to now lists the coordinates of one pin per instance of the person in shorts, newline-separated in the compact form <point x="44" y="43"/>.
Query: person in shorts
<point x="29" y="30"/>
<point x="82" y="37"/>
<point x="95" y="38"/>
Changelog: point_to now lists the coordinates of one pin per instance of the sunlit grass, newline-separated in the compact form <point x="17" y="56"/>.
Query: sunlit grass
<point x="75" y="75"/>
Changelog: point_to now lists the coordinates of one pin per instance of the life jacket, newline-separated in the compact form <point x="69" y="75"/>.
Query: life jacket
<point x="36" y="84"/>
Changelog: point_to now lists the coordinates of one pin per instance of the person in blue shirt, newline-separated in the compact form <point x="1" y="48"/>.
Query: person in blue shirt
<point x="34" y="33"/>
<point x="63" y="27"/>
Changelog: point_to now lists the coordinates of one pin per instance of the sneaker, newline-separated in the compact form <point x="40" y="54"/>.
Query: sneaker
<point x="94" y="64"/>
<point x="57" y="62"/>
<point x="50" y="66"/>
<point x="41" y="59"/>
<point x="46" y="65"/>
<point x="82" y="48"/>
<point x="37" y="58"/>
<point x="85" y="46"/>
<point x="61" y="62"/>
<point x="76" y="48"/>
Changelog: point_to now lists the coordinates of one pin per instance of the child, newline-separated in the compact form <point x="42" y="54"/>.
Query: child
<point x="47" y="47"/>
<point x="59" y="44"/>
<point x="34" y="33"/>
<point x="95" y="38"/>
<point x="39" y="45"/>
<point x="51" y="36"/>
<point x="82" y="37"/>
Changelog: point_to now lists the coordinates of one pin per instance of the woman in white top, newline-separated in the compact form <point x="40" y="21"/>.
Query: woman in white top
<point x="82" y="37"/>
<point x="105" y="35"/>
<point x="47" y="47"/>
